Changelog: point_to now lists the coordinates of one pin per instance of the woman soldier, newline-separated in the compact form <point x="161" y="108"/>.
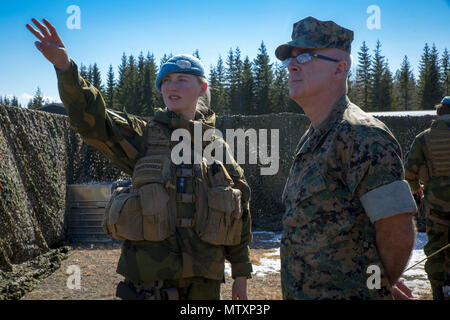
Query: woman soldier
<point x="179" y="222"/>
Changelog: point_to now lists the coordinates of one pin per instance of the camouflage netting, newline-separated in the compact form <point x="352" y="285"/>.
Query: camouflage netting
<point x="266" y="207"/>
<point x="40" y="154"/>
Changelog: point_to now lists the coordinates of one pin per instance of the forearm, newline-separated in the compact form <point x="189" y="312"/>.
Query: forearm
<point x="83" y="102"/>
<point x="239" y="255"/>
<point x="395" y="245"/>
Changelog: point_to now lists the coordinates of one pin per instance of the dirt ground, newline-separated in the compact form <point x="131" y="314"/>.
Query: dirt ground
<point x="97" y="265"/>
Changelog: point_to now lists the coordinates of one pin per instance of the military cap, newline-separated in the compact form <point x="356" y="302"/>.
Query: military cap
<point x="310" y="33"/>
<point x="446" y="100"/>
<point x="182" y="63"/>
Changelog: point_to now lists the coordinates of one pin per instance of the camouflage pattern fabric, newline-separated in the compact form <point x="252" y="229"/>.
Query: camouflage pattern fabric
<point x="328" y="241"/>
<point x="121" y="138"/>
<point x="310" y="33"/>
<point x="436" y="187"/>
<point x="438" y="234"/>
<point x="436" y="198"/>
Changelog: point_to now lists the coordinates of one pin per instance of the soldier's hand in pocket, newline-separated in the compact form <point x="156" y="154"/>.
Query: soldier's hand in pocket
<point x="50" y="44"/>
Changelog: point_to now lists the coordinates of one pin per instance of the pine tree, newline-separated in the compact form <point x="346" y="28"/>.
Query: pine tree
<point x="230" y="86"/>
<point x="218" y="93"/>
<point x="97" y="79"/>
<point x="84" y="72"/>
<point x="120" y="90"/>
<point x="110" y="86"/>
<point x="150" y="94"/>
<point x="280" y="90"/>
<point x="445" y="74"/>
<point x="127" y="88"/>
<point x="386" y="89"/>
<point x="429" y="87"/>
<point x="404" y="87"/>
<point x="377" y="71"/>
<point x="248" y="88"/>
<point x="6" y="101"/>
<point x="233" y="79"/>
<point x="141" y="82"/>
<point x="363" y="80"/>
<point x="164" y="59"/>
<point x="90" y="75"/>
<point x="238" y="81"/>
<point x="263" y="80"/>
<point x="37" y="101"/>
<point x="15" y="102"/>
<point x="132" y="87"/>
<point x="213" y="88"/>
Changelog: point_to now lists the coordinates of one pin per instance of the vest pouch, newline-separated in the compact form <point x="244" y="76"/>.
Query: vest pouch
<point x="157" y="223"/>
<point x="123" y="217"/>
<point x="151" y="169"/>
<point x="223" y="223"/>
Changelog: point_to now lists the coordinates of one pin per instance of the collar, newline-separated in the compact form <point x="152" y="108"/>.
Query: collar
<point x="316" y="134"/>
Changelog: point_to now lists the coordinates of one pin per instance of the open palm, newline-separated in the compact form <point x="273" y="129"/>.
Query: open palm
<point x="50" y="44"/>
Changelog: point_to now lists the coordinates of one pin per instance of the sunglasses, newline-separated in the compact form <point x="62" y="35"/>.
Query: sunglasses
<point x="306" y="57"/>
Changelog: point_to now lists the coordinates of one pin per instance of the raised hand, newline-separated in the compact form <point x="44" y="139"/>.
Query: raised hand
<point x="50" y="44"/>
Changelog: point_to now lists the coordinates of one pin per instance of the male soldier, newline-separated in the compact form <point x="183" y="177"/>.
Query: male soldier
<point x="347" y="229"/>
<point x="428" y="162"/>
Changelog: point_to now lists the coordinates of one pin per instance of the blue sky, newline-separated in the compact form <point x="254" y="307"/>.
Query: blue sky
<point x="109" y="28"/>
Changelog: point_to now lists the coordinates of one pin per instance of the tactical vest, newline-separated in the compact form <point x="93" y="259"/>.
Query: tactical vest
<point x="438" y="144"/>
<point x="147" y="210"/>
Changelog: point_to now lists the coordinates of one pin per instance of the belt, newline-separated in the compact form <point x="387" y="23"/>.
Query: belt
<point x="154" y="291"/>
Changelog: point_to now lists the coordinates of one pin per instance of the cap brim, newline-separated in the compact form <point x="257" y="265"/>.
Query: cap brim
<point x="284" y="51"/>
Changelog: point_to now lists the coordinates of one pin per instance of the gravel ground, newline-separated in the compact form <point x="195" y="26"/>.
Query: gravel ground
<point x="97" y="265"/>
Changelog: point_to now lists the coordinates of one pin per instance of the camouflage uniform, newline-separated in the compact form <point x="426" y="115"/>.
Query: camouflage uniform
<point x="183" y="261"/>
<point x="428" y="163"/>
<point x="342" y="169"/>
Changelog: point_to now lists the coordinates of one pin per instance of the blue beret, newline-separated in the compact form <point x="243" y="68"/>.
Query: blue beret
<point x="446" y="100"/>
<point x="180" y="63"/>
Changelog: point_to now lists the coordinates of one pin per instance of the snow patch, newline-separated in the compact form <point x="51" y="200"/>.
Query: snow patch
<point x="416" y="278"/>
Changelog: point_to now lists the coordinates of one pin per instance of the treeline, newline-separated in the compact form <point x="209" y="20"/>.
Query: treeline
<point x="375" y="88"/>
<point x="243" y="86"/>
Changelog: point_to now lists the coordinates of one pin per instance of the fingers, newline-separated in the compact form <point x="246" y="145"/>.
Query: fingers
<point x="43" y="29"/>
<point x="35" y="32"/>
<point x="52" y="29"/>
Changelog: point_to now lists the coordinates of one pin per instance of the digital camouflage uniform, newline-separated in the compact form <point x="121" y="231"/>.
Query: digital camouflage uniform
<point x="347" y="173"/>
<point x="428" y="162"/>
<point x="343" y="171"/>
<point x="183" y="260"/>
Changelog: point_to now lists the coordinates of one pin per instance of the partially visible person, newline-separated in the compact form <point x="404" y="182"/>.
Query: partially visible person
<point x="428" y="163"/>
